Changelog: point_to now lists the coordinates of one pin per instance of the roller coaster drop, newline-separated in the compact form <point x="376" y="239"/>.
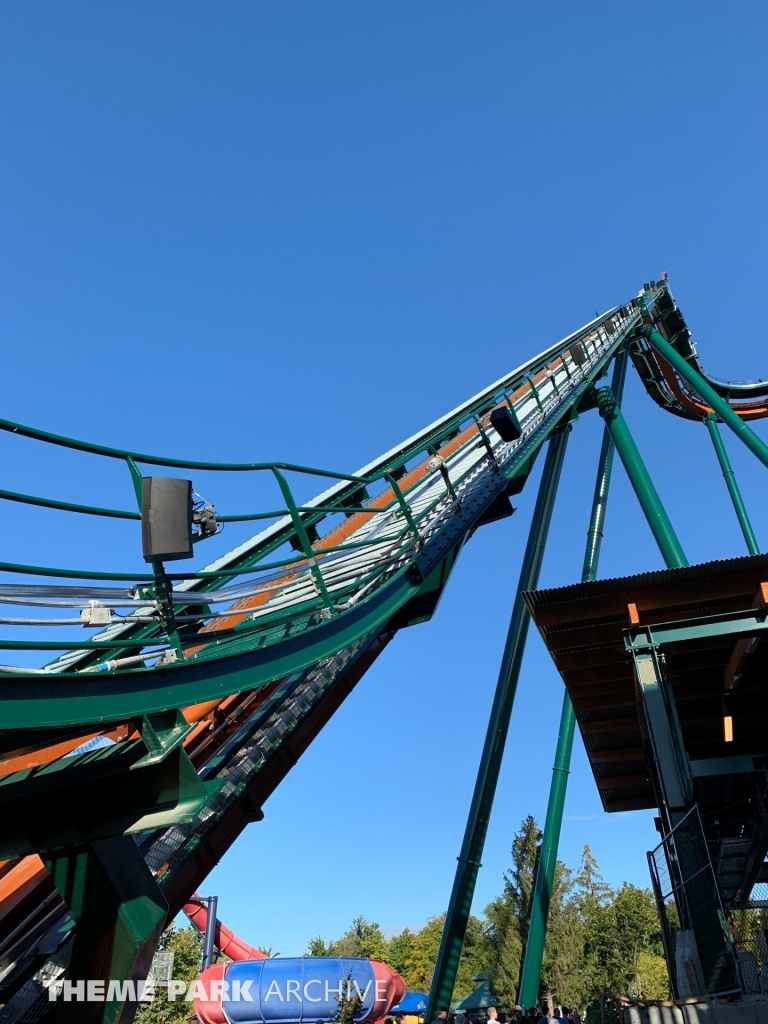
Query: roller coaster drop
<point x="133" y="760"/>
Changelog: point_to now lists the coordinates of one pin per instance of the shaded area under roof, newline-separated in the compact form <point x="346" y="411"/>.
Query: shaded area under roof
<point x="583" y="628"/>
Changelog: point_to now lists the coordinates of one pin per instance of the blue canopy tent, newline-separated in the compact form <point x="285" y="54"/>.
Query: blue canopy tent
<point x="412" y="1002"/>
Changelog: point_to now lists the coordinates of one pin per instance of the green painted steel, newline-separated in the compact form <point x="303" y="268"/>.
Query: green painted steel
<point x="602" y="483"/>
<point x="176" y="626"/>
<point x="118" y="789"/>
<point x="647" y="495"/>
<point x="289" y="639"/>
<point x="545" y="871"/>
<point x="697" y="383"/>
<point x="733" y="487"/>
<point x="120" y="913"/>
<point x="252" y="653"/>
<point x="117" y="513"/>
<point x="706" y="767"/>
<point x="463" y="891"/>
<point x="669" y="754"/>
<point x="306" y="546"/>
<point x="118" y="792"/>
<point x="731" y="626"/>
<point x="69" y="698"/>
<point x="68" y="506"/>
<point x="395" y="458"/>
<point x="158" y="460"/>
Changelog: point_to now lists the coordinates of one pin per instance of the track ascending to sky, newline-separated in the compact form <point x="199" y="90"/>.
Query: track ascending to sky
<point x="170" y="726"/>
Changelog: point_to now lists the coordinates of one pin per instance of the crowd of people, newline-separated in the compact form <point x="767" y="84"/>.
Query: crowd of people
<point x="543" y="1014"/>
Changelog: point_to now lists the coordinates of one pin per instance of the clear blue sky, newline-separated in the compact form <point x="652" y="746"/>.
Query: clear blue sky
<point x="260" y="230"/>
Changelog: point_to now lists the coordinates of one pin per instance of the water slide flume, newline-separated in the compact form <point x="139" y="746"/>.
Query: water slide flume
<point x="295" y="990"/>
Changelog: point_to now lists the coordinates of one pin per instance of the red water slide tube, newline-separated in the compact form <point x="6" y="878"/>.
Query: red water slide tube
<point x="226" y="940"/>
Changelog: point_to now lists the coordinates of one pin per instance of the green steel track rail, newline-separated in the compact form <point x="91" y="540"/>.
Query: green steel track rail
<point x="300" y="610"/>
<point x="547" y="862"/>
<point x="400" y="516"/>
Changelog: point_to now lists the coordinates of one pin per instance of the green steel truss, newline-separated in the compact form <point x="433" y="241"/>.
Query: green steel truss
<point x="311" y="598"/>
<point x="306" y="605"/>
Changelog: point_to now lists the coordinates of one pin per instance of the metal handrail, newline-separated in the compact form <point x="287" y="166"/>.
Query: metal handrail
<point x="328" y="578"/>
<point x="116" y="513"/>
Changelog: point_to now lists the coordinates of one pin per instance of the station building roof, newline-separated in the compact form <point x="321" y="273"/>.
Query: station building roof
<point x="583" y="627"/>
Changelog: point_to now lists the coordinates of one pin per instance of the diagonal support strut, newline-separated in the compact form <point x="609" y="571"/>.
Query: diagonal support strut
<point x="468" y="867"/>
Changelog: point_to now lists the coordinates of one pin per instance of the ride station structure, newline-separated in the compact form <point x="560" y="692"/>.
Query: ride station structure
<point x="133" y="760"/>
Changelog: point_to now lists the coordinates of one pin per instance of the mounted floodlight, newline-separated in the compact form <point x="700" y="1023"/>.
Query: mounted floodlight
<point x="506" y="424"/>
<point x="204" y="518"/>
<point x="166" y="518"/>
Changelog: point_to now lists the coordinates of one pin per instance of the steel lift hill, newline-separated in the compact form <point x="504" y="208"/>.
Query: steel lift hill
<point x="134" y="759"/>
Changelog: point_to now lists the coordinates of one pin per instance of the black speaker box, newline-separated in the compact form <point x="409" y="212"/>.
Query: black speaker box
<point x="166" y="518"/>
<point x="578" y="355"/>
<point x="505" y="423"/>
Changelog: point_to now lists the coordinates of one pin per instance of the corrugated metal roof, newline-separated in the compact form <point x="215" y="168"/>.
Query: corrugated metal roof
<point x="583" y="628"/>
<point x="644" y="580"/>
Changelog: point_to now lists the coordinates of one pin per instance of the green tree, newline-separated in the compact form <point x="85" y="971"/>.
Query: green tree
<point x="637" y="932"/>
<point x="519" y="881"/>
<point x="362" y="938"/>
<point x="475" y="957"/>
<point x="652" y="978"/>
<point x="561" y="978"/>
<point x="509" y="914"/>
<point x="597" y="939"/>
<point x="349" y="1002"/>
<point x="506" y="948"/>
<point x="412" y="955"/>
<point x="318" y="947"/>
<point x="400" y="951"/>
<point x="419" y="964"/>
<point x="576" y="901"/>
<point x="618" y="932"/>
<point x="186" y="944"/>
<point x="591" y="890"/>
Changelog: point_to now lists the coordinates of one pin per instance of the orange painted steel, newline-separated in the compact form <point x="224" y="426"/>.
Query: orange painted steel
<point x="746" y="410"/>
<point x="380" y="501"/>
<point x="34" y="758"/>
<point x="28" y="879"/>
<point x="20" y="878"/>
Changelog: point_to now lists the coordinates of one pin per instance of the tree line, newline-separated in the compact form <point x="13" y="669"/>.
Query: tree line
<point x="598" y="938"/>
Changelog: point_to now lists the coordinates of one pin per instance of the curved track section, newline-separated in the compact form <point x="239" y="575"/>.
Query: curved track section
<point x="175" y="722"/>
<point x="664" y="385"/>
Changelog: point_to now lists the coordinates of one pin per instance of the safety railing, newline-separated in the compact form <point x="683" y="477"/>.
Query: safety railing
<point x="698" y="941"/>
<point x="384" y="516"/>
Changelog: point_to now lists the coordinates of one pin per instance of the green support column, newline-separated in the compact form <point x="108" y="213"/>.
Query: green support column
<point x="733" y="487"/>
<point x="452" y="940"/>
<point x="647" y="495"/>
<point x="545" y="872"/>
<point x="616" y="433"/>
<point x="697" y="383"/>
<point x="120" y="914"/>
<point x="603" y="480"/>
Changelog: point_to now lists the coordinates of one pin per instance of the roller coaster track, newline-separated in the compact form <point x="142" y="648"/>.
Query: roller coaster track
<point x="175" y="722"/>
<point x="666" y="387"/>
